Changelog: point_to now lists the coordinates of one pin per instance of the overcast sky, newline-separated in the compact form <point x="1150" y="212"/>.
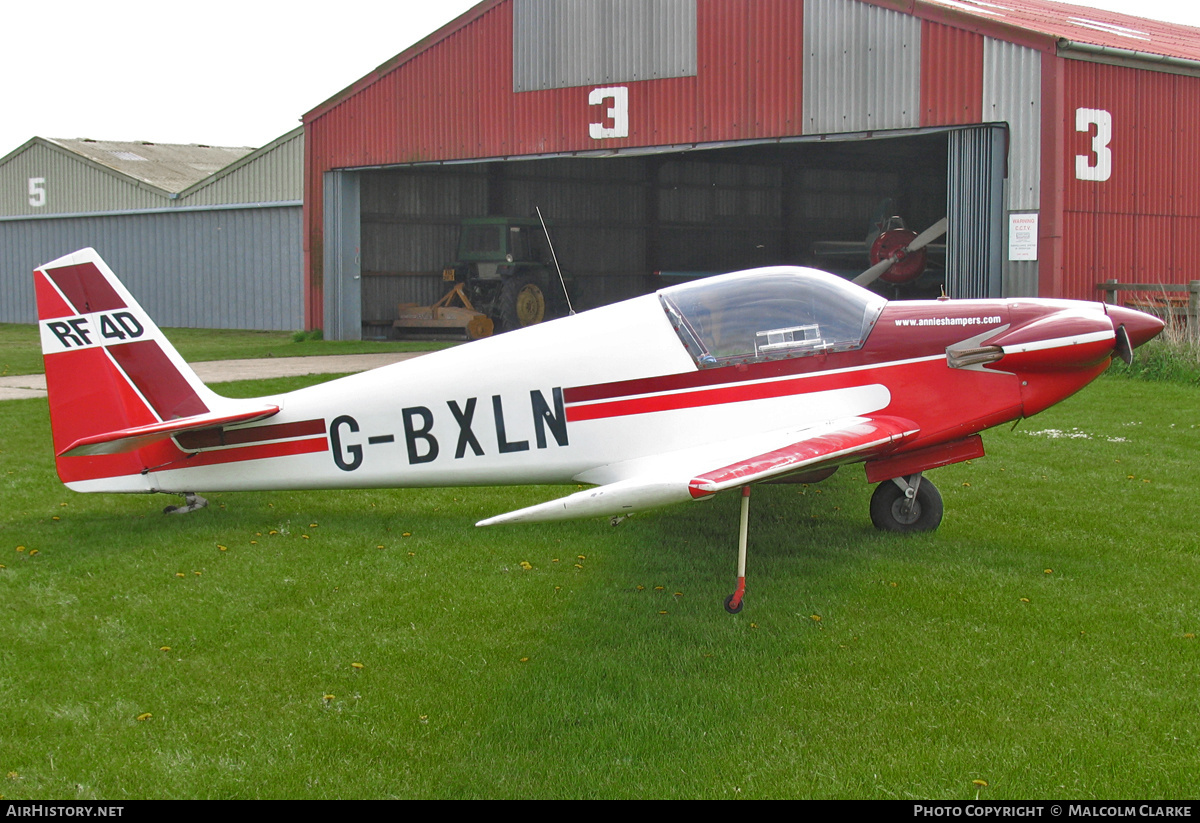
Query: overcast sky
<point x="222" y="72"/>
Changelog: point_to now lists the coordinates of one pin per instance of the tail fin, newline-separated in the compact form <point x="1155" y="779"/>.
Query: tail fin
<point x="118" y="390"/>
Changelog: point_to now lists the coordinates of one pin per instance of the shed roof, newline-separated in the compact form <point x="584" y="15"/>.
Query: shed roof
<point x="1064" y="21"/>
<point x="167" y="166"/>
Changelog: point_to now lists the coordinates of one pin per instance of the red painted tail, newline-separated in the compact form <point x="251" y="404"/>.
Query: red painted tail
<point x="118" y="390"/>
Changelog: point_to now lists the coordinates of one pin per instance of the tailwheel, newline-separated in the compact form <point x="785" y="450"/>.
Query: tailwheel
<point x="191" y="502"/>
<point x="906" y="504"/>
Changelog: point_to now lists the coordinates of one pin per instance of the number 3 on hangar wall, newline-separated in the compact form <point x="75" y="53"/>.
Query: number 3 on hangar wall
<point x="617" y="114"/>
<point x="1098" y="166"/>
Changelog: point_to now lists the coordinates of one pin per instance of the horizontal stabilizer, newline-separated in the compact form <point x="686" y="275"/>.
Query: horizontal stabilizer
<point x="135" y="437"/>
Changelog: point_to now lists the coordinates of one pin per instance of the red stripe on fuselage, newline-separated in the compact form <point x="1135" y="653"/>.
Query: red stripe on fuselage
<point x="216" y="438"/>
<point x="256" y="452"/>
<point x="671" y="401"/>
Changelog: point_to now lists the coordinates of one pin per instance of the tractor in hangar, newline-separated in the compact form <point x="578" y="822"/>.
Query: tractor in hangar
<point x="504" y="275"/>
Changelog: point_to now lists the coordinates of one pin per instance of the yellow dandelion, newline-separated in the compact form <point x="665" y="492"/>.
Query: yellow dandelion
<point x="55" y="517"/>
<point x="164" y="648"/>
<point x="641" y="588"/>
<point x="356" y="665"/>
<point x="225" y="548"/>
<point x="524" y="659"/>
<point x="406" y="534"/>
<point x="980" y="782"/>
<point x="663" y="612"/>
<point x="305" y="536"/>
<point x="555" y="560"/>
<point x="658" y="588"/>
<point x="1024" y="599"/>
<point x="526" y="565"/>
<point x="967" y="485"/>
<point x="252" y="543"/>
<point x="582" y="557"/>
<point x="272" y="531"/>
<point x="32" y="552"/>
<point x="144" y="716"/>
<point x="754" y="625"/>
<point x="412" y="554"/>
<point x="894" y="584"/>
<point x="197" y="573"/>
<point x="20" y="548"/>
<point x="380" y="546"/>
<point x="2" y="566"/>
<point x="328" y="697"/>
<point x="312" y="525"/>
<point x="679" y="594"/>
<point x="815" y="618"/>
<point x="578" y="566"/>
<point x="1190" y="635"/>
<point x="13" y="776"/>
<point x="1047" y="571"/>
<point x="180" y="574"/>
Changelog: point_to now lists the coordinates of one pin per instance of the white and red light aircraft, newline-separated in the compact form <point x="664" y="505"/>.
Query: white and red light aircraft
<point x="769" y="374"/>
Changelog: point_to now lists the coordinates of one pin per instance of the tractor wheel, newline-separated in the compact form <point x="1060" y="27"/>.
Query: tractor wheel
<point x="522" y="302"/>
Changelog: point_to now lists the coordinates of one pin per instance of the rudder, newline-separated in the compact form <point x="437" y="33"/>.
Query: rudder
<point x="108" y="368"/>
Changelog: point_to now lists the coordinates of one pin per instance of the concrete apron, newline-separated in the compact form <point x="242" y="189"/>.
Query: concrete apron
<point x="22" y="386"/>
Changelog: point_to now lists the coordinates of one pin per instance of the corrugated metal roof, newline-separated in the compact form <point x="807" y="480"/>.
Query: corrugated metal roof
<point x="1078" y="24"/>
<point x="168" y="166"/>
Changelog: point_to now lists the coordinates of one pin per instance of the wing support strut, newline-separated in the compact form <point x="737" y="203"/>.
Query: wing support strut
<point x="733" y="603"/>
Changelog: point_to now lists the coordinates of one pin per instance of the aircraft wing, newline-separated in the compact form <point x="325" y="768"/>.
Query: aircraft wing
<point x="697" y="473"/>
<point x="134" y="437"/>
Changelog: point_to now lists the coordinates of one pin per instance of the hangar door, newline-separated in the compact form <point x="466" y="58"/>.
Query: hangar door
<point x="628" y="224"/>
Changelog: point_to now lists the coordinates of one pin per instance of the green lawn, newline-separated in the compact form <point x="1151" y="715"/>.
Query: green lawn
<point x="1042" y="641"/>
<point x="20" y="352"/>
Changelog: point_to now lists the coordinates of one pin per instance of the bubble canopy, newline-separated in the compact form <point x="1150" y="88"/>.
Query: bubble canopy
<point x="769" y="314"/>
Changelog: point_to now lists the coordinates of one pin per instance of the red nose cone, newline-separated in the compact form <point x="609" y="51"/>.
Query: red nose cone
<point x="1138" y="325"/>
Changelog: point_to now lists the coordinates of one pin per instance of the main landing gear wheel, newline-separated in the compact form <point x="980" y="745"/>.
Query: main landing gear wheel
<point x="522" y="302"/>
<point x="910" y="504"/>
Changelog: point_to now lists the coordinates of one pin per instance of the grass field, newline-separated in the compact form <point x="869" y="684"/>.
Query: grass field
<point x="375" y="644"/>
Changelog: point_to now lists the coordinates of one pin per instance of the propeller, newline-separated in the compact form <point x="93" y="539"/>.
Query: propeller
<point x="919" y="242"/>
<point x="1123" y="346"/>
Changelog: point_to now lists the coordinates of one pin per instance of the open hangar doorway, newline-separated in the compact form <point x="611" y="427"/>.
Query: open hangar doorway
<point x="630" y="222"/>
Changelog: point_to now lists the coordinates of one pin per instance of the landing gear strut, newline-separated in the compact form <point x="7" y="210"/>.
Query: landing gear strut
<point x="906" y="504"/>
<point x="191" y="502"/>
<point x="733" y="603"/>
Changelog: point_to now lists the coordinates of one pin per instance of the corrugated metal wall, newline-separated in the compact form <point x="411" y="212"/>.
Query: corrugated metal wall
<point x="273" y="174"/>
<point x="1012" y="94"/>
<point x="560" y="43"/>
<point x="862" y="68"/>
<point x="1132" y="212"/>
<point x="71" y="185"/>
<point x="213" y="268"/>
